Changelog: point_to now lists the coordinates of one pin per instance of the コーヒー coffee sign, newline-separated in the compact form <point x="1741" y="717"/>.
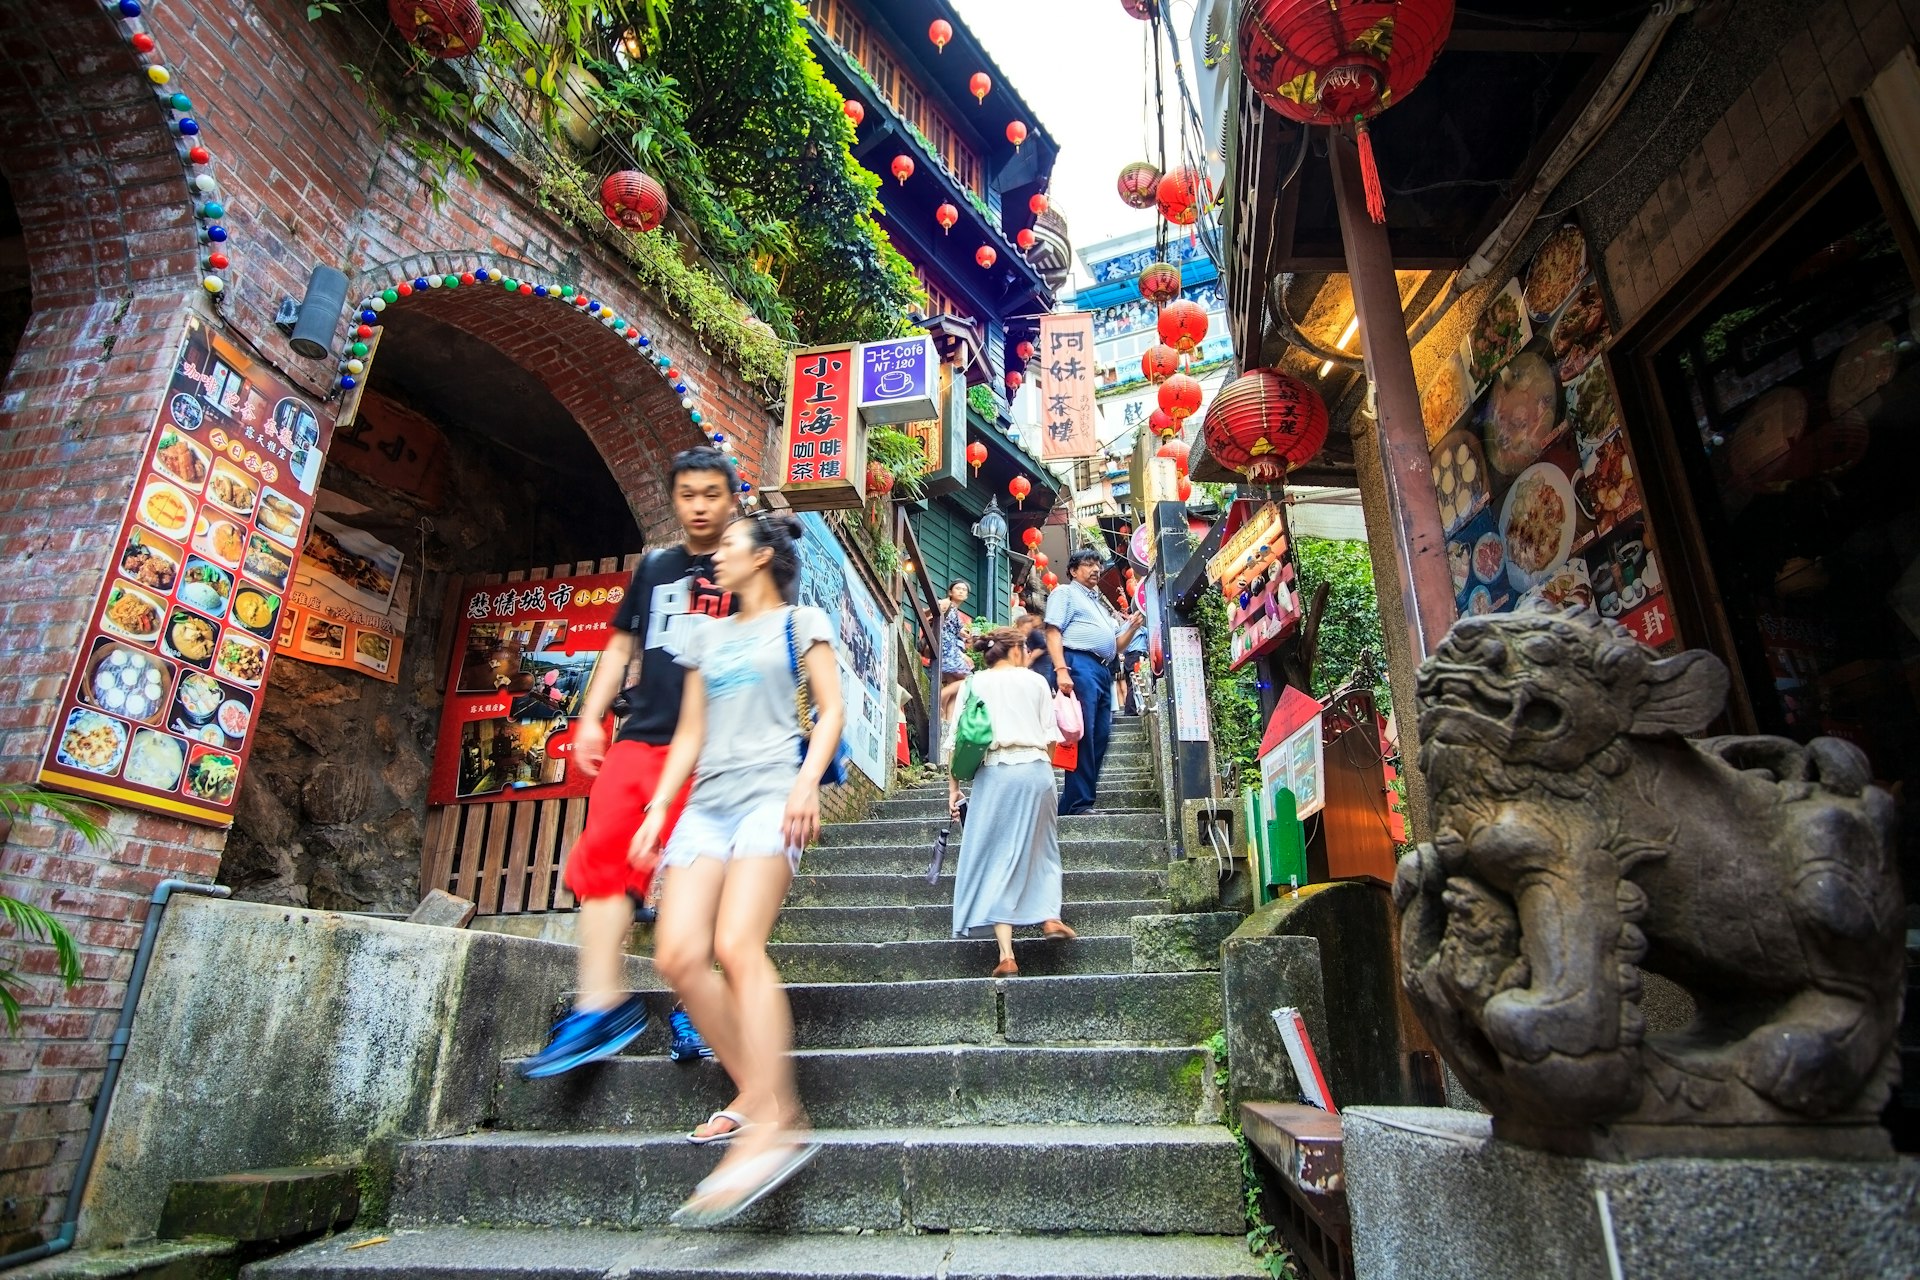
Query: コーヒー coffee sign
<point x="160" y="707"/>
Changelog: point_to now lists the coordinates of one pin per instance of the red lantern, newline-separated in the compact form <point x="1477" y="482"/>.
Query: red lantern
<point x="1160" y="283"/>
<point x="1050" y="580"/>
<point x="1141" y="9"/>
<point x="1183" y="196"/>
<point x="1024" y="238"/>
<point x="1039" y="203"/>
<point x="1162" y="424"/>
<point x="1177" y="450"/>
<point x="443" y="28"/>
<point x="1180" y="396"/>
<point x="1016" y="133"/>
<point x="853" y="111"/>
<point x="1183" y="325"/>
<point x="1020" y="487"/>
<point x="940" y="32"/>
<point x="1322" y="64"/>
<point x="1014" y="379"/>
<point x="981" y="84"/>
<point x="986" y="256"/>
<point x="1265" y="423"/>
<point x="1039" y="559"/>
<point x="1024" y="349"/>
<point x="976" y="455"/>
<point x="1185" y="489"/>
<point x="632" y="200"/>
<point x="879" y="480"/>
<point x="1138" y="183"/>
<point x="903" y="168"/>
<point x="1160" y="363"/>
<point x="946" y="215"/>
<point x="1031" y="537"/>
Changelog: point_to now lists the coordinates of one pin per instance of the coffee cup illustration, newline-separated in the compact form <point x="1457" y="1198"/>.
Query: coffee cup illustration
<point x="894" y="382"/>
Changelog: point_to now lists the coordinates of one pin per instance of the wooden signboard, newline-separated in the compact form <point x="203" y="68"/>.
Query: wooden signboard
<point x="823" y="446"/>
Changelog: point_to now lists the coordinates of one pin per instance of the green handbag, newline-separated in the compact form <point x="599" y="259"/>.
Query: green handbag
<point x="972" y="736"/>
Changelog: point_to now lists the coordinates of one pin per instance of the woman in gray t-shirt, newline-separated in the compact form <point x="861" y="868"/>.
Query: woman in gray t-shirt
<point x="755" y="805"/>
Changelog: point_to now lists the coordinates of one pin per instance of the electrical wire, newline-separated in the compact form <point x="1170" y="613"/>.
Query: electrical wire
<point x="1670" y="113"/>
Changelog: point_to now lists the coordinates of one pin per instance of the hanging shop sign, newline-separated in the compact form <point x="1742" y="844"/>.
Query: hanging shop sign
<point x="1292" y="755"/>
<point x="829" y="583"/>
<point x="1066" y="367"/>
<point x="160" y="706"/>
<point x="899" y="380"/>
<point x="348" y="602"/>
<point x="943" y="439"/>
<point x="1257" y="576"/>
<point x="1187" y="663"/>
<point x="823" y="446"/>
<point x="392" y="446"/>
<point x="523" y="653"/>
<point x="1539" y="492"/>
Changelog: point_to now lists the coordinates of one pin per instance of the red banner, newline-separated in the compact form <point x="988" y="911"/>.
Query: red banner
<point x="160" y="707"/>
<point x="823" y="448"/>
<point x="522" y="657"/>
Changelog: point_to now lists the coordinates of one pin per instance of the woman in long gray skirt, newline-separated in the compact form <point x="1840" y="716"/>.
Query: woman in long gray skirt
<point x="1009" y="864"/>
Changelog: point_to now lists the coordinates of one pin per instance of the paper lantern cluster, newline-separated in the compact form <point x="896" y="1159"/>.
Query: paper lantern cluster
<point x="1180" y="398"/>
<point x="1264" y="424"/>
<point x="1159" y="362"/>
<point x="1159" y="283"/>
<point x="1183" y="195"/>
<point x="1139" y="185"/>
<point x="1183" y="325"/>
<point x="633" y="200"/>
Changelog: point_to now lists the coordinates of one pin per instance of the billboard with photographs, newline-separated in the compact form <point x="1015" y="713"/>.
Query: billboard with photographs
<point x="1537" y="483"/>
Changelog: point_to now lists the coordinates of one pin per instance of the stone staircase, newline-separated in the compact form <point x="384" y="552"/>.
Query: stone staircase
<point x="1057" y="1125"/>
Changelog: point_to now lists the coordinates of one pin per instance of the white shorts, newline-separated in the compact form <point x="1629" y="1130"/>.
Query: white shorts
<point x="735" y="831"/>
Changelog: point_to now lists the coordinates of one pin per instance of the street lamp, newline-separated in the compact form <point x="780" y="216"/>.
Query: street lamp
<point x="991" y="528"/>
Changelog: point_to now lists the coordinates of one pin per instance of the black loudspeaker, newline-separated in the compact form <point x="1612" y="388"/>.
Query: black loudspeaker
<point x="312" y="334"/>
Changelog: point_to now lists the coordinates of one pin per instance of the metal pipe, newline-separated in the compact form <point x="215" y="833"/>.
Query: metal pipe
<point x="116" y="1052"/>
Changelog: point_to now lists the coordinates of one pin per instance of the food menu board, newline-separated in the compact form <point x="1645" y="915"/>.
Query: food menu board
<point x="523" y="654"/>
<point x="160" y="707"/>
<point x="1537" y="483"/>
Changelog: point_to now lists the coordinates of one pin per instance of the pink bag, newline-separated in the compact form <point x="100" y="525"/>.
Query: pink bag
<point x="1066" y="711"/>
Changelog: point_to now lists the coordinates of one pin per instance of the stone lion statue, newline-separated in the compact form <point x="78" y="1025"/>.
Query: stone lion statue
<point x="1581" y="837"/>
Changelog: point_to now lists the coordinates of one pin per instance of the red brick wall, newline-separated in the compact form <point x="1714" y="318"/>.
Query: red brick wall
<point x="308" y="177"/>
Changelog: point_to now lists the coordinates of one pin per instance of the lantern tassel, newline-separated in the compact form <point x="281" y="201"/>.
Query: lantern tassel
<point x="1369" y="172"/>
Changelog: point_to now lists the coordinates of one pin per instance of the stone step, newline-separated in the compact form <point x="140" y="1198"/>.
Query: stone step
<point x="935" y="920"/>
<point x="908" y="853"/>
<point x="952" y="958"/>
<point x="901" y="887"/>
<point x="1094" y="1178"/>
<point x="1134" y="827"/>
<point x="471" y="1253"/>
<point x="939" y="1087"/>
<point x="934" y="805"/>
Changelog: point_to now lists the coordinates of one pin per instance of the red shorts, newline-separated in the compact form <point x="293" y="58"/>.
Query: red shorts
<point x="597" y="865"/>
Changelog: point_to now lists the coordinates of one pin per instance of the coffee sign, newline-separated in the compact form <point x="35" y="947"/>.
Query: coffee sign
<point x="899" y="380"/>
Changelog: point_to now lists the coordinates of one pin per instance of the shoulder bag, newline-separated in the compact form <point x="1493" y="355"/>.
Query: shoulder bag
<point x="972" y="736"/>
<point x="836" y="771"/>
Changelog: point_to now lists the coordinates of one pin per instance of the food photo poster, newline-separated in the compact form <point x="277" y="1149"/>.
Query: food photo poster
<point x="348" y="601"/>
<point x="1538" y="489"/>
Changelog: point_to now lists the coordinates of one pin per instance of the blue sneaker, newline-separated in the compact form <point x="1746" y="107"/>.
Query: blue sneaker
<point x="588" y="1036"/>
<point x="687" y="1044"/>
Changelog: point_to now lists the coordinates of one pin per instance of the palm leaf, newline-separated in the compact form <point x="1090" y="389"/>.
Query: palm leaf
<point x="18" y="799"/>
<point x="30" y="921"/>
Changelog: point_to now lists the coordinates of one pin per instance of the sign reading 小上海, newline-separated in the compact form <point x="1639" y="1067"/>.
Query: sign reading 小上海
<point x="524" y="653"/>
<point x="1065" y="361"/>
<point x="899" y="380"/>
<point x="159" y="710"/>
<point x="823" y="451"/>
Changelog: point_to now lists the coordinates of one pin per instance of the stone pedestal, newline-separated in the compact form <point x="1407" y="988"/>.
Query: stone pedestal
<point x="1433" y="1196"/>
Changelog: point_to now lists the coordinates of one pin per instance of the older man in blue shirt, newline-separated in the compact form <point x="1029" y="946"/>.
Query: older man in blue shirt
<point x="1083" y="635"/>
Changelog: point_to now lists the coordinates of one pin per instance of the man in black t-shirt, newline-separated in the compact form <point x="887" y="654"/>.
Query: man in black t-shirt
<point x="670" y="587"/>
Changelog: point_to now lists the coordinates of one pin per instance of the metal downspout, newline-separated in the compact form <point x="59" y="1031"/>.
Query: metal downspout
<point x="116" y="1052"/>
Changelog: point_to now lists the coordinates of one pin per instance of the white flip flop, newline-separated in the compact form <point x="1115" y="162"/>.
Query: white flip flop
<point x="763" y="1175"/>
<point x="714" y="1139"/>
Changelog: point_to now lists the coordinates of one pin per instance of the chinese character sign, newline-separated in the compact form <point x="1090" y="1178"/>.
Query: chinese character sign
<point x="823" y="455"/>
<point x="898" y="380"/>
<point x="1065" y="363"/>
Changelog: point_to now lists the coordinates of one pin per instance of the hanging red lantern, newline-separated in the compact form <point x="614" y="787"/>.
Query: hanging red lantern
<point x="879" y="480"/>
<point x="986" y="256"/>
<point x="980" y="84"/>
<point x="1185" y="489"/>
<point x="1016" y="133"/>
<point x="1014" y="380"/>
<point x="976" y="455"/>
<point x="1180" y="396"/>
<point x="903" y="168"/>
<point x="1038" y="203"/>
<point x="1162" y="424"/>
<point x="1138" y="184"/>
<point x="1325" y="64"/>
<point x="940" y="31"/>
<point x="946" y="215"/>
<point x="1141" y="9"/>
<point x="1160" y="363"/>
<point x="632" y="200"/>
<point x="1024" y="349"/>
<point x="443" y="28"/>
<point x="1183" y="196"/>
<point x="1176" y="449"/>
<point x="1183" y="325"/>
<point x="1159" y="283"/>
<point x="1024" y="238"/>
<point x="1030" y="538"/>
<point x="1265" y="423"/>
<point x="1020" y="487"/>
<point x="1050" y="580"/>
<point x="853" y="111"/>
<point x="1039" y="559"/>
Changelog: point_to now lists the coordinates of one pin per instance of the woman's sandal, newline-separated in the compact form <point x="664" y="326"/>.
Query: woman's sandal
<point x="1006" y="969"/>
<point x="1058" y="929"/>
<point x="754" y="1180"/>
<point x="711" y="1138"/>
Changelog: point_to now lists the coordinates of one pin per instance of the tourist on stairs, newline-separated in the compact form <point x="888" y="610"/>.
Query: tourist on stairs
<point x="1009" y="866"/>
<point x="1083" y="634"/>
<point x="672" y="586"/>
<point x="732" y="857"/>
<point x="954" y="664"/>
